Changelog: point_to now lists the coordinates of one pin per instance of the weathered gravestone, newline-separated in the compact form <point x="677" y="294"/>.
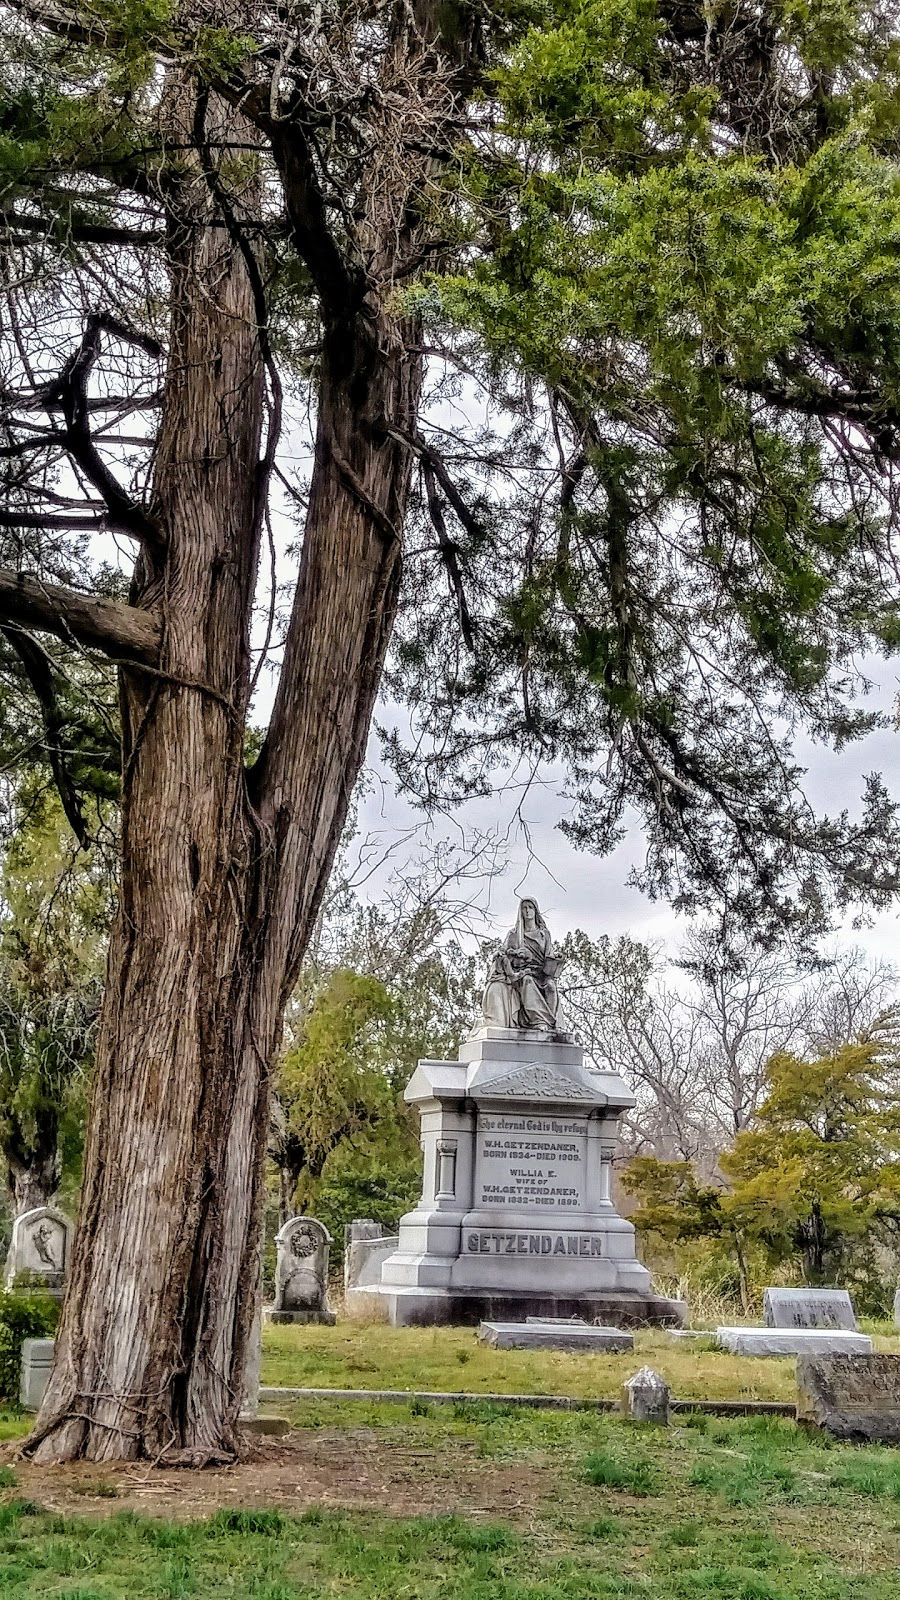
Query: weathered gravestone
<point x="301" y="1272"/>
<point x="568" y="1334"/>
<point x="40" y="1250"/>
<point x="517" y="1213"/>
<point x="645" y="1397"/>
<point x="809" y="1308"/>
<point x="366" y="1247"/>
<point x="852" y="1397"/>
<point x="37" y="1365"/>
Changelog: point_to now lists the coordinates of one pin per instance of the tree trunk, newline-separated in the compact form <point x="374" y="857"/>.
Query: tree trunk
<point x="33" y="1163"/>
<point x="33" y="1185"/>
<point x="223" y="876"/>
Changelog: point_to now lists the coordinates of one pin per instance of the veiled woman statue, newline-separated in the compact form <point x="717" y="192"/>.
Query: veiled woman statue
<point x="521" y="986"/>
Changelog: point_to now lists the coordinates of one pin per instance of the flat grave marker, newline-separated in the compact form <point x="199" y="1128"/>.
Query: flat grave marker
<point x="792" y="1341"/>
<point x="572" y="1336"/>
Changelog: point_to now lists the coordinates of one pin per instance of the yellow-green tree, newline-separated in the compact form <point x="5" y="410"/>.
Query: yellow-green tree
<point x="818" y="1171"/>
<point x="328" y="1086"/>
<point x="816" y="1175"/>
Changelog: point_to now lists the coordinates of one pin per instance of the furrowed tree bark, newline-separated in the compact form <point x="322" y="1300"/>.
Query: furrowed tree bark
<point x="223" y="872"/>
<point x="152" y="1339"/>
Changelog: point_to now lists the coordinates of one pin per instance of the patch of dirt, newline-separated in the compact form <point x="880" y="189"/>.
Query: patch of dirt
<point x="353" y="1467"/>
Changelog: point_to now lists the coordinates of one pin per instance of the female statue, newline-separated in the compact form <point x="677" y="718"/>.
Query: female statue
<point x="521" y="985"/>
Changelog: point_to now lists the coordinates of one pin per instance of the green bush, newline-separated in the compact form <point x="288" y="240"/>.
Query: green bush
<point x="22" y="1316"/>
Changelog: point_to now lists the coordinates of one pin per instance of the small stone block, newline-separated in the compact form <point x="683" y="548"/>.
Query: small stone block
<point x="809" y="1308"/>
<point x="645" y="1397"/>
<point x="275" y="1426"/>
<point x="792" y="1341"/>
<point x="37" y="1365"/>
<point x="851" y="1397"/>
<point x="569" y="1336"/>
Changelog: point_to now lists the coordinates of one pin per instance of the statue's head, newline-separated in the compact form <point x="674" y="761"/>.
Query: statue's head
<point x="530" y="914"/>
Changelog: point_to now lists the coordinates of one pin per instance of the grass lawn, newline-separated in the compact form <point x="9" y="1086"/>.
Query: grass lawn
<point x="366" y="1356"/>
<point x="749" y="1509"/>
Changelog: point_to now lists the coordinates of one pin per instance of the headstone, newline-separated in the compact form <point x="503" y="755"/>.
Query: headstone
<point x="809" y="1308"/>
<point x="852" y="1397"/>
<point x="40" y="1250"/>
<point x="301" y="1272"/>
<point x="253" y="1367"/>
<point x="366" y="1248"/>
<point x="791" y="1341"/>
<point x="569" y="1335"/>
<point x="645" y="1397"/>
<point x="897" y="1308"/>
<point x="516" y="1216"/>
<point x="37" y="1365"/>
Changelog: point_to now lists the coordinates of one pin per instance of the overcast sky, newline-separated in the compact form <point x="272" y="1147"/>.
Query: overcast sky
<point x="576" y="889"/>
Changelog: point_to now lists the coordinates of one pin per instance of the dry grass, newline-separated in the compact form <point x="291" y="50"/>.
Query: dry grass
<point x="372" y="1356"/>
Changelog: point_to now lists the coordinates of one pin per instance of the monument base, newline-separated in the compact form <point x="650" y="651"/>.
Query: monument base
<point x="424" y="1308"/>
<point x="324" y="1318"/>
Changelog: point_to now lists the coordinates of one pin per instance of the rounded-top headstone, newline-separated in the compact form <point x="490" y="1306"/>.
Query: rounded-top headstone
<point x="301" y="1271"/>
<point x="41" y="1248"/>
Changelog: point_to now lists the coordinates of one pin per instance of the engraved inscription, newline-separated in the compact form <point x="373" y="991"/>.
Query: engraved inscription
<point x="531" y="1162"/>
<point x="484" y="1243"/>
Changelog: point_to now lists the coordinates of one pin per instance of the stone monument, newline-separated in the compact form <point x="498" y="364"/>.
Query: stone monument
<point x="852" y="1397"/>
<point x="301" y="1272"/>
<point x="516" y="1215"/>
<point x="41" y="1248"/>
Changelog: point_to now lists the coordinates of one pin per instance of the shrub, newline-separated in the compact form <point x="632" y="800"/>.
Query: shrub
<point x="22" y="1316"/>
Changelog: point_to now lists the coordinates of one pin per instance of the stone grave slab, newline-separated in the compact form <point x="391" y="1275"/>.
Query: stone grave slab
<point x="852" y="1397"/>
<point x="792" y="1341"/>
<point x="37" y="1365"/>
<point x="570" y="1336"/>
<point x="809" y="1308"/>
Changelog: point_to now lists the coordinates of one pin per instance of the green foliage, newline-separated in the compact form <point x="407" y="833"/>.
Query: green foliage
<point x="818" y="1168"/>
<point x="381" y="988"/>
<point x="325" y="1080"/>
<point x="814" y="1176"/>
<point x="22" y="1316"/>
<point x="58" y="905"/>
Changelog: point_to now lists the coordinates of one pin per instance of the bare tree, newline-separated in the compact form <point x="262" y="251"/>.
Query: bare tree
<point x="696" y="1051"/>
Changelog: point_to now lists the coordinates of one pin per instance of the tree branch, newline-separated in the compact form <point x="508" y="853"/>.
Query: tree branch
<point x="70" y="389"/>
<point x="42" y="675"/>
<point x="448" y="551"/>
<point x="124" y="633"/>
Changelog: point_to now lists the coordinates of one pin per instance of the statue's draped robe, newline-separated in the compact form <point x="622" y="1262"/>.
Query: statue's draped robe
<point x="520" y="993"/>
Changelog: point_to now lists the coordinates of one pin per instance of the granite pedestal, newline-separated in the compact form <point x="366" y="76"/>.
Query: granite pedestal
<point x="516" y="1216"/>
